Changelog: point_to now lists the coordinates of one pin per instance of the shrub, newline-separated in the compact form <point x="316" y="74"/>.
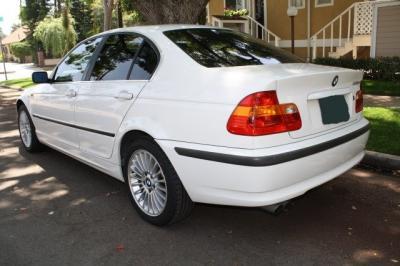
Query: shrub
<point x="20" y="50"/>
<point x="236" y="13"/>
<point x="54" y="37"/>
<point x="383" y="68"/>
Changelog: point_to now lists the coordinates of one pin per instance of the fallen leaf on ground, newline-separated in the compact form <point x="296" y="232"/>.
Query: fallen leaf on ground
<point x="120" y="247"/>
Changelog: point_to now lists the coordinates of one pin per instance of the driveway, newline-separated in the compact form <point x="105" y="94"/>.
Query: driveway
<point x="57" y="211"/>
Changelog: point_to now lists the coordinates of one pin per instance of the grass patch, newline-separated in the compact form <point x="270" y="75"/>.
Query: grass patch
<point x="18" y="83"/>
<point x="385" y="129"/>
<point x="380" y="87"/>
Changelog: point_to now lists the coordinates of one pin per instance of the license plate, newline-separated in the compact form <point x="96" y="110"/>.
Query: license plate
<point x="334" y="109"/>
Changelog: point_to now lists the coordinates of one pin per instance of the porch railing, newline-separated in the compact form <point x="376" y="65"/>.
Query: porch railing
<point x="257" y="30"/>
<point x="358" y="14"/>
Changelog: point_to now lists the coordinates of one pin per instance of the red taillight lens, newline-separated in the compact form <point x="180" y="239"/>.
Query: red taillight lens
<point x="359" y="101"/>
<point x="261" y="114"/>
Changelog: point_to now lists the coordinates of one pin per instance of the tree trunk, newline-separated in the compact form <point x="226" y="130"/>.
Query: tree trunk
<point x="170" y="11"/>
<point x="59" y="7"/>
<point x="119" y="15"/>
<point x="108" y="9"/>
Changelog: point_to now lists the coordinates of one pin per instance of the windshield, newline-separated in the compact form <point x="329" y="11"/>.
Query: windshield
<point x="224" y="48"/>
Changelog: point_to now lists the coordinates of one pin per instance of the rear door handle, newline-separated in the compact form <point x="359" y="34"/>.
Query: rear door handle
<point x="124" y="95"/>
<point x="71" y="93"/>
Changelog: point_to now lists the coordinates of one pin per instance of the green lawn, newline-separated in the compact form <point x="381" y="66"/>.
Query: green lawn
<point x="18" y="83"/>
<point x="378" y="87"/>
<point x="385" y="129"/>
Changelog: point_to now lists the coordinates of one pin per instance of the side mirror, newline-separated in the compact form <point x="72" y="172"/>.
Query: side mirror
<point x="40" y="77"/>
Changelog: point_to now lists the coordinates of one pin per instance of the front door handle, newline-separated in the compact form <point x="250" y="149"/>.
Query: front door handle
<point x="124" y="95"/>
<point x="71" y="93"/>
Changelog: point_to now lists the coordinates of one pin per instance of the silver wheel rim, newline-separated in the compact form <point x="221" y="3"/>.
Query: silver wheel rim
<point x="147" y="183"/>
<point x="25" y="129"/>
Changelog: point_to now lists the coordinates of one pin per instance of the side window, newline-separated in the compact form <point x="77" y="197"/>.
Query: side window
<point x="116" y="57"/>
<point x="145" y="63"/>
<point x="74" y="65"/>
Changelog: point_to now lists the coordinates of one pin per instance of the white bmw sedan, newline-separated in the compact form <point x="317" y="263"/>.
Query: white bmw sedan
<point x="186" y="114"/>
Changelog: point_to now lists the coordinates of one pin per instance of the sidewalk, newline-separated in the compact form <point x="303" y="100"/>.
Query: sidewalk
<point x="381" y="101"/>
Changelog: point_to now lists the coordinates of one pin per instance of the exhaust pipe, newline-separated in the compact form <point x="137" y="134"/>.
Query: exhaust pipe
<point x="275" y="208"/>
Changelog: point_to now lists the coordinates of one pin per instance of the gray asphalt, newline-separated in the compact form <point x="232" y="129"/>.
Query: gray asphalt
<point x="57" y="211"/>
<point x="16" y="70"/>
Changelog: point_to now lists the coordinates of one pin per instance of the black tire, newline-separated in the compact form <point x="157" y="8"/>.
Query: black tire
<point x="34" y="145"/>
<point x="178" y="205"/>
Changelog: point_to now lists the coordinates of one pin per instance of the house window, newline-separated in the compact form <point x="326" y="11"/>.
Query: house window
<point x="322" y="3"/>
<point x="235" y="4"/>
<point x="297" y="3"/>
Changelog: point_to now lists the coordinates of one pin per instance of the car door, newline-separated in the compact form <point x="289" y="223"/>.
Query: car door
<point x="53" y="107"/>
<point x="113" y="87"/>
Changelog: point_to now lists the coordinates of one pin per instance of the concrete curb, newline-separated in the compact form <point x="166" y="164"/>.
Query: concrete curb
<point x="382" y="160"/>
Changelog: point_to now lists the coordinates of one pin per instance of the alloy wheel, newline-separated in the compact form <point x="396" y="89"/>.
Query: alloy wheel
<point x="147" y="183"/>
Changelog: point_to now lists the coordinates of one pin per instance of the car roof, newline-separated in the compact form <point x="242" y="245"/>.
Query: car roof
<point x="157" y="28"/>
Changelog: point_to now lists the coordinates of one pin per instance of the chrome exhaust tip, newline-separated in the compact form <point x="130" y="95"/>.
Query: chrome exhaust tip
<point x="275" y="208"/>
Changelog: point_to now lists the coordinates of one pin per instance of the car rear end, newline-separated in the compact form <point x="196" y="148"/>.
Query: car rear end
<point x="302" y="124"/>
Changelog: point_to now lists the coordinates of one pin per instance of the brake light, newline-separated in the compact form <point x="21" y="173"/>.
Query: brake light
<point x="359" y="101"/>
<point x="261" y="114"/>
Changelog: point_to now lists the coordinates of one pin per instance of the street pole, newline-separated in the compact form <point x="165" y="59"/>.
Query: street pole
<point x="292" y="12"/>
<point x="4" y="58"/>
<point x="292" y="32"/>
<point x="2" y="53"/>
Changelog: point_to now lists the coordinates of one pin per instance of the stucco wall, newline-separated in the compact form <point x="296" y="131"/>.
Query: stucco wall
<point x="279" y="22"/>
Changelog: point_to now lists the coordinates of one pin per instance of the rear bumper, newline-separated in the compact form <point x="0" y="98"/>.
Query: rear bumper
<point x="274" y="159"/>
<point x="260" y="177"/>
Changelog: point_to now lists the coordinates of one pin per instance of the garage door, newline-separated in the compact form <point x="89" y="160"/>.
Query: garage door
<point x="388" y="31"/>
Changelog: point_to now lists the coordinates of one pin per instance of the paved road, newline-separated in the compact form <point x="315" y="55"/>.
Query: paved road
<point x="15" y="70"/>
<point x="57" y="211"/>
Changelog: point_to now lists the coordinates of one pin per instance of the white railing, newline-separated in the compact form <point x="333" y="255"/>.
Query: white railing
<point x="358" y="14"/>
<point x="257" y="30"/>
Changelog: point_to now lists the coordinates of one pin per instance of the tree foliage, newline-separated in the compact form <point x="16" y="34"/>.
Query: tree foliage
<point x="130" y="16"/>
<point x="54" y="37"/>
<point x="20" y="50"/>
<point x="33" y="12"/>
<point x="70" y="33"/>
<point x="97" y="16"/>
<point x="82" y="13"/>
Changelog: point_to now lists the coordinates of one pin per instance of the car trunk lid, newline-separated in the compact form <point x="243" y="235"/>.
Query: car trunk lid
<point x="325" y="97"/>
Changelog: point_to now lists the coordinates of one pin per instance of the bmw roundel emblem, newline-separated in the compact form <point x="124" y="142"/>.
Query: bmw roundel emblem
<point x="335" y="81"/>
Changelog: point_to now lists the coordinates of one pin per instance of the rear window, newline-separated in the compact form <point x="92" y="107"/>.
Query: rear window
<point x="224" y="48"/>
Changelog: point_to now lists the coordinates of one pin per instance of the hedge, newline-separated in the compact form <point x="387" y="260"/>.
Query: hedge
<point x="384" y="68"/>
<point x="20" y="50"/>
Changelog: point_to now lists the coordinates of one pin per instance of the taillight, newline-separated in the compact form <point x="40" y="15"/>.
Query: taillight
<point x="261" y="114"/>
<point x="359" y="101"/>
